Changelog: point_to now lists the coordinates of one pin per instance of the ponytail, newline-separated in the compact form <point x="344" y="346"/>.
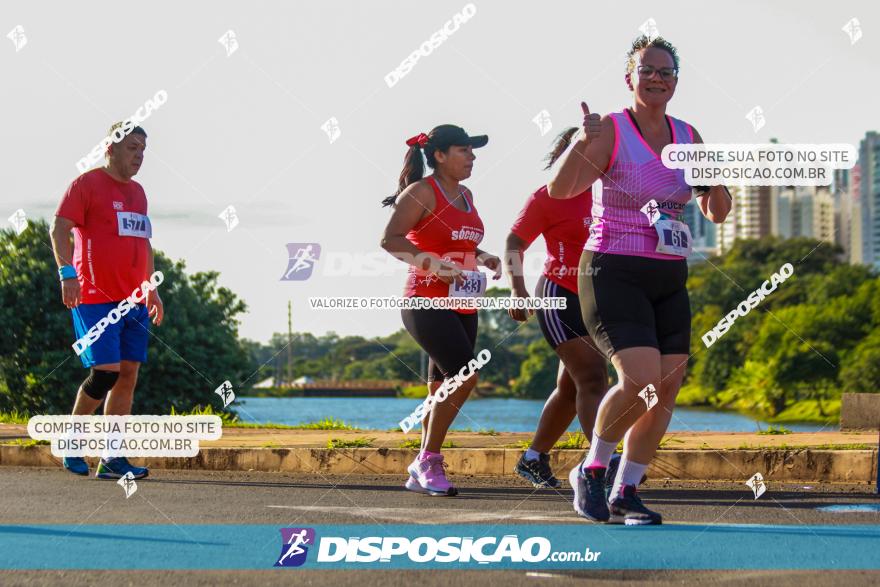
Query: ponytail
<point x="413" y="171"/>
<point x="563" y="140"/>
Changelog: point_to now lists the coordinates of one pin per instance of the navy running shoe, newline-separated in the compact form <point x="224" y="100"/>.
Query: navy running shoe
<point x="589" y="493"/>
<point x="627" y="508"/>
<point x="76" y="465"/>
<point x="537" y="471"/>
<point x="117" y="467"/>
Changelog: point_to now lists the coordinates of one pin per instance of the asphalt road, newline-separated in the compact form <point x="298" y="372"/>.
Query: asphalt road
<point x="52" y="496"/>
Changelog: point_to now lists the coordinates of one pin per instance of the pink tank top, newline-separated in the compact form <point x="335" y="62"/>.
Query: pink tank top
<point x="636" y="175"/>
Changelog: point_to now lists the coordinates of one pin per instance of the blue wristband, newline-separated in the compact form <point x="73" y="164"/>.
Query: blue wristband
<point x="67" y="272"/>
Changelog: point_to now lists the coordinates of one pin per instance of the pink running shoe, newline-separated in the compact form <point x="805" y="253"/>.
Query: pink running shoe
<point x="428" y="476"/>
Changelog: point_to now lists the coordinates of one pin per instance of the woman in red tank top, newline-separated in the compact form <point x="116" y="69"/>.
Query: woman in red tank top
<point x="436" y="229"/>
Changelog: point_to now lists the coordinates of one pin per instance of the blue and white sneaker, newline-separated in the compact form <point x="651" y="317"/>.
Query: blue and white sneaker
<point x="589" y="493"/>
<point x="610" y="475"/>
<point x="76" y="465"/>
<point x="117" y="467"/>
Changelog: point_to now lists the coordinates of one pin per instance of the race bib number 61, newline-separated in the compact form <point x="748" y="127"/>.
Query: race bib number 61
<point x="674" y="237"/>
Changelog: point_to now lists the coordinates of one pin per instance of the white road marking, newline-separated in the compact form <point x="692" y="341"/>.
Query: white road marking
<point x="437" y="515"/>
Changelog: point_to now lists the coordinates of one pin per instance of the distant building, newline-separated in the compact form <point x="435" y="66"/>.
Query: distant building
<point x="869" y="163"/>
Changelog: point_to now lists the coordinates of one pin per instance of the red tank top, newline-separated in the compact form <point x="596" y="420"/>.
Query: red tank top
<point x="450" y="234"/>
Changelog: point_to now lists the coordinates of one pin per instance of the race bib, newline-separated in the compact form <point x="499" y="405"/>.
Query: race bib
<point x="674" y="237"/>
<point x="134" y="224"/>
<point x="473" y="286"/>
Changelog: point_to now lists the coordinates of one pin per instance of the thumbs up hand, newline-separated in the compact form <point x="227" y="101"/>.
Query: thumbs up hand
<point x="592" y="124"/>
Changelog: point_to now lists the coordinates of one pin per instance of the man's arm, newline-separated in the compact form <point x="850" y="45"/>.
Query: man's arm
<point x="155" y="307"/>
<point x="62" y="246"/>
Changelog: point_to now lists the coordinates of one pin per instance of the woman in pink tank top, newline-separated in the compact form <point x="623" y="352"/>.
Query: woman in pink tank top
<point x="632" y="278"/>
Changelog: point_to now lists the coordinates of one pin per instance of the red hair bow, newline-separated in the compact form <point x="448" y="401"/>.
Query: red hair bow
<point x="420" y="139"/>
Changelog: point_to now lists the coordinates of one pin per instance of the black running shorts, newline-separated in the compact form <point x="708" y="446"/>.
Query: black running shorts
<point x="630" y="301"/>
<point x="559" y="325"/>
<point x="447" y="336"/>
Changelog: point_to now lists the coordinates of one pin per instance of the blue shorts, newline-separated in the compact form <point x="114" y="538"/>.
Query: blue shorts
<point x="126" y="340"/>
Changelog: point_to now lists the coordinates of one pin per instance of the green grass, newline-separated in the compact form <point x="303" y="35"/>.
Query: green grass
<point x="574" y="441"/>
<point x="487" y="432"/>
<point x="14" y="417"/>
<point x="773" y="430"/>
<point x="808" y="411"/>
<point x="26" y="442"/>
<point x="416" y="444"/>
<point x="351" y="443"/>
<point x="325" y="424"/>
<point x="668" y="440"/>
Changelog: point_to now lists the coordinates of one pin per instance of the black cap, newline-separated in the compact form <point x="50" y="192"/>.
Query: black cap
<point x="444" y="136"/>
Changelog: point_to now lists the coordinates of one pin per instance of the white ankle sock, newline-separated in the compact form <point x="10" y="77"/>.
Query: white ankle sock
<point x="532" y="454"/>
<point x="600" y="452"/>
<point x="629" y="473"/>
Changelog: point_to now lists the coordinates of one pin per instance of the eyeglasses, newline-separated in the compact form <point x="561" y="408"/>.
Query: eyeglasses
<point x="666" y="73"/>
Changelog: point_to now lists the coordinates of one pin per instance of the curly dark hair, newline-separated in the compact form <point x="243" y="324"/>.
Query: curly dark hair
<point x="643" y="42"/>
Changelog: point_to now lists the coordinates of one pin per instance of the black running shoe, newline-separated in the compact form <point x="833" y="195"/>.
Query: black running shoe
<point x="628" y="509"/>
<point x="613" y="465"/>
<point x="589" y="493"/>
<point x="537" y="471"/>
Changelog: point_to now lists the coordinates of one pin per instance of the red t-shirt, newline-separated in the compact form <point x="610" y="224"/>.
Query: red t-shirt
<point x="565" y="225"/>
<point x="110" y="235"/>
<point x="448" y="233"/>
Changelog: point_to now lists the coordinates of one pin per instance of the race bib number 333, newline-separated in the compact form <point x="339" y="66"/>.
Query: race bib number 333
<point x="134" y="224"/>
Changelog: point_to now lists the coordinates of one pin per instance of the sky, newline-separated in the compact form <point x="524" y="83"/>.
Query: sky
<point x="243" y="127"/>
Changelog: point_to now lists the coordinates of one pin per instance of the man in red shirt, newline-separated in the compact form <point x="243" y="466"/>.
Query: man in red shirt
<point x="107" y="263"/>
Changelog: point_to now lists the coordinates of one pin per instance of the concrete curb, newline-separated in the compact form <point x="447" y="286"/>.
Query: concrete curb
<point x="805" y="465"/>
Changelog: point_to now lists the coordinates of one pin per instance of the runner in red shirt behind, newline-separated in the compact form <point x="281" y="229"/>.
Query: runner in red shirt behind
<point x="110" y="258"/>
<point x="582" y="378"/>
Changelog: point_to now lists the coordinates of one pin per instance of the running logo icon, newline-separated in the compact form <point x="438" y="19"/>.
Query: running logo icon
<point x="756" y="117"/>
<point x="331" y="127"/>
<point x="652" y="211"/>
<point x="649" y="29"/>
<point x="757" y="484"/>
<point x="229" y="217"/>
<point x="854" y="29"/>
<point x="128" y="484"/>
<point x="303" y="257"/>
<point x="18" y="38"/>
<point x="225" y="392"/>
<point x="542" y="119"/>
<point x="229" y="41"/>
<point x="19" y="221"/>
<point x="649" y="394"/>
<point x="295" y="544"/>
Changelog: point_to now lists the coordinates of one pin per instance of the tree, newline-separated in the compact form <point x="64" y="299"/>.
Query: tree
<point x="537" y="377"/>
<point x="190" y="355"/>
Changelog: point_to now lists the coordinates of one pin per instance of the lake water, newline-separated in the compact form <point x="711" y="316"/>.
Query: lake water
<point x="502" y="415"/>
